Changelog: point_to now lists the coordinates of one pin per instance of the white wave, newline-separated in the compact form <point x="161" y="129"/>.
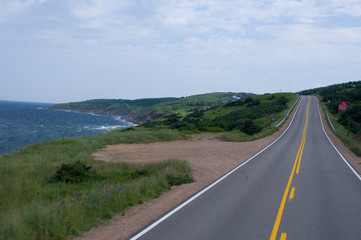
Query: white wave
<point x="104" y="128"/>
<point x="109" y="128"/>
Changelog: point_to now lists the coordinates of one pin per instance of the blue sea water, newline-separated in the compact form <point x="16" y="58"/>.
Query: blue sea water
<point x="23" y="123"/>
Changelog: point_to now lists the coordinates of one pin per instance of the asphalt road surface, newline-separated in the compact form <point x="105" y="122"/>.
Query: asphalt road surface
<point x="297" y="188"/>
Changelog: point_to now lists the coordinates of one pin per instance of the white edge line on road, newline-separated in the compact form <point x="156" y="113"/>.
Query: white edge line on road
<point x="150" y="227"/>
<point x="344" y="159"/>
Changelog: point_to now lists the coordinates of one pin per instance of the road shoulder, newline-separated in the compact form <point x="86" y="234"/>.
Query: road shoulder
<point x="352" y="159"/>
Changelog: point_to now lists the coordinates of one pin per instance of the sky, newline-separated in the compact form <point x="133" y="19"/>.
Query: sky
<point x="74" y="50"/>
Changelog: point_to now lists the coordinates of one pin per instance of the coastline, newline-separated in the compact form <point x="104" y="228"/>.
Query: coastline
<point x="27" y="123"/>
<point x="133" y="118"/>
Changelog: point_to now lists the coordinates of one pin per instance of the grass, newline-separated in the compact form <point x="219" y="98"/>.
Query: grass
<point x="239" y="136"/>
<point x="34" y="206"/>
<point x="341" y="132"/>
<point x="152" y="108"/>
<point x="249" y="115"/>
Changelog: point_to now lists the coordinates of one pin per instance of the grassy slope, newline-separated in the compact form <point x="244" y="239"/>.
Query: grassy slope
<point x="267" y="127"/>
<point x="141" y="110"/>
<point x="341" y="132"/>
<point x="247" y="117"/>
<point x="32" y="207"/>
<point x="185" y="105"/>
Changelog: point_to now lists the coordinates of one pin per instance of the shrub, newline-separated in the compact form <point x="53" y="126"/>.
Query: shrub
<point x="250" y="128"/>
<point x="179" y="179"/>
<point x="74" y="173"/>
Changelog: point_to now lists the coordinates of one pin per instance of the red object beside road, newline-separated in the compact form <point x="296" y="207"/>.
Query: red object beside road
<point x="343" y="105"/>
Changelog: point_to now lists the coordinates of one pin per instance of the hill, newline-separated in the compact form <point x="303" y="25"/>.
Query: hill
<point x="142" y="110"/>
<point x="347" y="123"/>
<point x="247" y="116"/>
<point x="331" y="95"/>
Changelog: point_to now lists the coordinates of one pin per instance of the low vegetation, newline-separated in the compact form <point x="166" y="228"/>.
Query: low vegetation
<point x="347" y="123"/>
<point x="142" y="110"/>
<point x="247" y="118"/>
<point x="54" y="189"/>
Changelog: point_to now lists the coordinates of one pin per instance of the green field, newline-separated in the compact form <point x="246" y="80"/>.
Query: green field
<point x="35" y="204"/>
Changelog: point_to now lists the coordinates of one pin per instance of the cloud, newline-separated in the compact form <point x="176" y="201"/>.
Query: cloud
<point x="348" y="7"/>
<point x="86" y="9"/>
<point x="11" y="7"/>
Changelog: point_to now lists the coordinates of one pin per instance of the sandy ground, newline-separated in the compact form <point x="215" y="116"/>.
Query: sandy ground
<point x="209" y="160"/>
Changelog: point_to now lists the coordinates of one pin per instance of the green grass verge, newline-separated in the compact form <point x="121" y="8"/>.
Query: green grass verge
<point x="249" y="115"/>
<point x="34" y="206"/>
<point x="239" y="136"/>
<point x="341" y="132"/>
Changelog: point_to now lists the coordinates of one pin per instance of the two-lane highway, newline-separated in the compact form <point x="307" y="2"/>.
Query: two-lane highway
<point x="297" y="188"/>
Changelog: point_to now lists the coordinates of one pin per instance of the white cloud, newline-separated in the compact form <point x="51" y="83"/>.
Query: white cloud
<point x="85" y="9"/>
<point x="11" y="7"/>
<point x="338" y="7"/>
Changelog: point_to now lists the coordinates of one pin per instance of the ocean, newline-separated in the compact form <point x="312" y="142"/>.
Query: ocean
<point x="23" y="123"/>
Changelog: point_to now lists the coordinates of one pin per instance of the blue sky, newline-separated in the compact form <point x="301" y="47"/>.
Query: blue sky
<point x="73" y="50"/>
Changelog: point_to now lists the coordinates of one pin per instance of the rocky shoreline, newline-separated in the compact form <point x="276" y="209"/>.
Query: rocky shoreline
<point x="136" y="117"/>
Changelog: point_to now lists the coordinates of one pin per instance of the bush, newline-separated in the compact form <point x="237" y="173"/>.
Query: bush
<point x="75" y="173"/>
<point x="250" y="128"/>
<point x="179" y="179"/>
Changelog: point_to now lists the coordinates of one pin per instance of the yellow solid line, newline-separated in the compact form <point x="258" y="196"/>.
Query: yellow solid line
<point x="285" y="194"/>
<point x="304" y="137"/>
<point x="292" y="194"/>
<point x="299" y="160"/>
<point x="301" y="152"/>
<point x="283" y="236"/>
<point x="283" y="202"/>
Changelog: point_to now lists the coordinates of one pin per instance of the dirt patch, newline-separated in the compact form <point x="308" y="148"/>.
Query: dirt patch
<point x="209" y="160"/>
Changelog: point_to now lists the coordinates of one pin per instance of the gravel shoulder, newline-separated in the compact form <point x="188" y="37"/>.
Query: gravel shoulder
<point x="209" y="159"/>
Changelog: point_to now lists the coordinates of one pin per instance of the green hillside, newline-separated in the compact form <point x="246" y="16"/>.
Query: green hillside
<point x="142" y="110"/>
<point x="347" y="123"/>
<point x="351" y="92"/>
<point x="249" y="115"/>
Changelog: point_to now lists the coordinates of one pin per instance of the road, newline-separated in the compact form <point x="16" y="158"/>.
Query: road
<point x="297" y="188"/>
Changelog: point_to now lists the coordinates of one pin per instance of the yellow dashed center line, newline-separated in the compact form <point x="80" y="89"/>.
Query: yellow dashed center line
<point x="285" y="194"/>
<point x="283" y="236"/>
<point x="292" y="194"/>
